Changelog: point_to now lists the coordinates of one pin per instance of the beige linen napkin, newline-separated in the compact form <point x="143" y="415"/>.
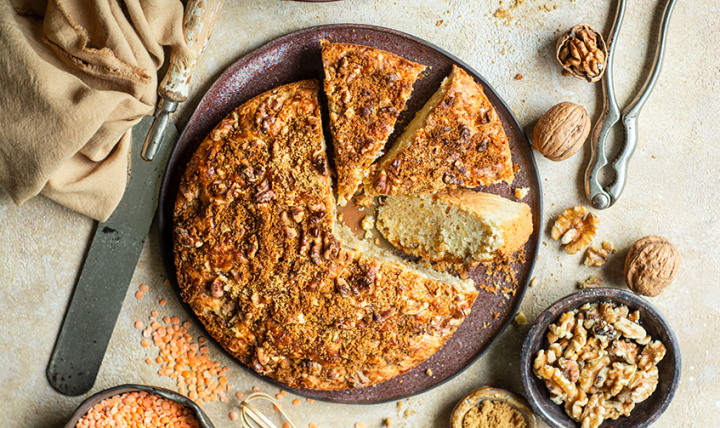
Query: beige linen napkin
<point x="75" y="76"/>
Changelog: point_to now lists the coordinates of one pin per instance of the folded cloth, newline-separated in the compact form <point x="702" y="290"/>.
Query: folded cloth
<point x="75" y="76"/>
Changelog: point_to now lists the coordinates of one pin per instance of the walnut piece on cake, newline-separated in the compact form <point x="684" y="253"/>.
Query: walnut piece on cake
<point x="366" y="89"/>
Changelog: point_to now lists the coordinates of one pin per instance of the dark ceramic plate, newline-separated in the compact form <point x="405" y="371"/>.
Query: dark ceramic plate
<point x="297" y="56"/>
<point x="651" y="319"/>
<point x="94" y="399"/>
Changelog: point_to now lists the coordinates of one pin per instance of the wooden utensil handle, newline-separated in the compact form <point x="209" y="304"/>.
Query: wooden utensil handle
<point x="198" y="24"/>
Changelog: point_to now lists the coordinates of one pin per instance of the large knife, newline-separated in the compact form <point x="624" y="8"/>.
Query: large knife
<point x="116" y="245"/>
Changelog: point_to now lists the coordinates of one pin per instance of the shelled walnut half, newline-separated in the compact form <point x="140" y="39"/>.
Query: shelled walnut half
<point x="583" y="53"/>
<point x="576" y="229"/>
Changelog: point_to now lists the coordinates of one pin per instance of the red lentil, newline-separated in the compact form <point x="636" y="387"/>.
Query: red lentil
<point x="138" y="409"/>
<point x="139" y="295"/>
<point x="233" y="416"/>
<point x="144" y="288"/>
<point x="296" y="402"/>
<point x="163" y="302"/>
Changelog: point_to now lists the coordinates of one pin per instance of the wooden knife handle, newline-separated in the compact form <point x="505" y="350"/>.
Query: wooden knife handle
<point x="198" y="24"/>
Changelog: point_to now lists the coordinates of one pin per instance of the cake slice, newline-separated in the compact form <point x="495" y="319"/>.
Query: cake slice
<point x="455" y="226"/>
<point x="366" y="89"/>
<point x="276" y="281"/>
<point x="456" y="140"/>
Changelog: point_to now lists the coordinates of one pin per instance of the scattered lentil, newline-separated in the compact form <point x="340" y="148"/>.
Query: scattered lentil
<point x="139" y="295"/>
<point x="296" y="402"/>
<point x="233" y="416"/>
<point x="239" y="395"/>
<point x="138" y="325"/>
<point x="163" y="302"/>
<point x="310" y="400"/>
<point x="359" y="425"/>
<point x="144" y="288"/>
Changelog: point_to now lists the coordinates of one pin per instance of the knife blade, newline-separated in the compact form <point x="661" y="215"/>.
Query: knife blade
<point x="108" y="269"/>
<point x="116" y="245"/>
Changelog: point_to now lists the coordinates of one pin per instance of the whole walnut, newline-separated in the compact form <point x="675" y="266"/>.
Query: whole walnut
<point x="561" y="132"/>
<point x="651" y="265"/>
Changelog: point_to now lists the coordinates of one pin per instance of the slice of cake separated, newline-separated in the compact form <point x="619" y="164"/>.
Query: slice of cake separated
<point x="456" y="140"/>
<point x="455" y="226"/>
<point x="366" y="89"/>
<point x="275" y="281"/>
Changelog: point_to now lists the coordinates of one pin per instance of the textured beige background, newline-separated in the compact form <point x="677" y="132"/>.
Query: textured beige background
<point x="672" y="191"/>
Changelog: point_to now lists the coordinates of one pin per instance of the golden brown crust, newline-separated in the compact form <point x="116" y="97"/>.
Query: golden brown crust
<point x="257" y="260"/>
<point x="461" y="143"/>
<point x="366" y="88"/>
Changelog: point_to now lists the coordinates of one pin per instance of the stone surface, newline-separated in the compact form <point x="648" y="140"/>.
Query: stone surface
<point x="671" y="192"/>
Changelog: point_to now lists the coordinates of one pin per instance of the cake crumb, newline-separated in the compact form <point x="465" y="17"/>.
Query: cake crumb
<point x="521" y="192"/>
<point x="439" y="23"/>
<point x="368" y="222"/>
<point x="428" y="372"/>
<point x="533" y="282"/>
<point x="166" y="283"/>
<point x="387" y="422"/>
<point x="518" y="77"/>
<point x="520" y="318"/>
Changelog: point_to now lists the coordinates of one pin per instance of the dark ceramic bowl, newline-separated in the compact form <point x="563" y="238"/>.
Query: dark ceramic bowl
<point x="86" y="405"/>
<point x="651" y="319"/>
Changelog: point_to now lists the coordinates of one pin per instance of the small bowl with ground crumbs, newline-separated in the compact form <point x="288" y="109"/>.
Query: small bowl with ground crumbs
<point x="492" y="408"/>
<point x="600" y="358"/>
<point x="131" y="406"/>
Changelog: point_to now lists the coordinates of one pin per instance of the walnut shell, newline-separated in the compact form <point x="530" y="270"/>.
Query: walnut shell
<point x="651" y="265"/>
<point x="582" y="52"/>
<point x="561" y="132"/>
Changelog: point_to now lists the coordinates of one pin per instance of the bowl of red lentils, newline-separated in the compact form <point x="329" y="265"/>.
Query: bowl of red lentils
<point x="138" y="406"/>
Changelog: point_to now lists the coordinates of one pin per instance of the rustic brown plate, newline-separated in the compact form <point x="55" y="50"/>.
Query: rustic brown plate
<point x="669" y="369"/>
<point x="295" y="57"/>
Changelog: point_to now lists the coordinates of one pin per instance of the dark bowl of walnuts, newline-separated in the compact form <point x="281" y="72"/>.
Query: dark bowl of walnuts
<point x="601" y="357"/>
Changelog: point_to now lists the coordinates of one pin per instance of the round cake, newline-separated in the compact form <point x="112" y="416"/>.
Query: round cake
<point x="272" y="276"/>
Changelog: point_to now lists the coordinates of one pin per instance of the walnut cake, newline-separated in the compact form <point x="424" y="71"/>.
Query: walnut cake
<point x="275" y="280"/>
<point x="366" y="88"/>
<point x="455" y="140"/>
